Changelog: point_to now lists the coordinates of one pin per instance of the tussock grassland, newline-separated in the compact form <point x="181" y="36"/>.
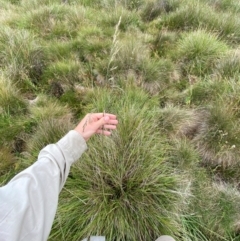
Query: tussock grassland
<point x="170" y="71"/>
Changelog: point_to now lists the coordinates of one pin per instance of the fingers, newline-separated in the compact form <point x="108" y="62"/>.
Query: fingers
<point x="110" y="123"/>
<point x="111" y="127"/>
<point x="100" y="115"/>
<point x="106" y="124"/>
<point x="104" y="132"/>
<point x="107" y="120"/>
<point x="101" y="123"/>
<point x="104" y="121"/>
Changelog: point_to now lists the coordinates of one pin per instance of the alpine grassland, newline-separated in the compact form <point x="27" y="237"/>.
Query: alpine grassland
<point x="170" y="71"/>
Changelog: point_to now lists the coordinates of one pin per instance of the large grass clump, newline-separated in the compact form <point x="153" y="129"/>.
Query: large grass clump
<point x="21" y="57"/>
<point x="123" y="182"/>
<point x="212" y="213"/>
<point x="228" y="66"/>
<point x="197" y="52"/>
<point x="192" y="15"/>
<point x="11" y="101"/>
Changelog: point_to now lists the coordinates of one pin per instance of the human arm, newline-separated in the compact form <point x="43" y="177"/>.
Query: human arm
<point x="28" y="202"/>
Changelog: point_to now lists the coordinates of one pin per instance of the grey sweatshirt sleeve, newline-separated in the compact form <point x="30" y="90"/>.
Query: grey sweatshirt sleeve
<point x="28" y="203"/>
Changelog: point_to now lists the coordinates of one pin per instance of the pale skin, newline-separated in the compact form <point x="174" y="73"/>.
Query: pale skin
<point x="97" y="123"/>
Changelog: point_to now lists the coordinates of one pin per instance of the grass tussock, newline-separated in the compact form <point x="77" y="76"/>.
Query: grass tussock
<point x="7" y="165"/>
<point x="194" y="14"/>
<point x="156" y="74"/>
<point x="212" y="213"/>
<point x="185" y="157"/>
<point x="222" y="5"/>
<point x="163" y="41"/>
<point x="203" y="92"/>
<point x="220" y="126"/>
<point x="197" y="52"/>
<point x="20" y="55"/>
<point x="181" y="122"/>
<point x="228" y="66"/>
<point x="7" y="160"/>
<point x="12" y="130"/>
<point x="118" y="188"/>
<point x="121" y="60"/>
<point x="55" y="21"/>
<point x="170" y="71"/>
<point x="65" y="72"/>
<point x="34" y="4"/>
<point x="47" y="131"/>
<point x="11" y="102"/>
<point x="154" y="9"/>
<point x="43" y="108"/>
<point x="130" y="20"/>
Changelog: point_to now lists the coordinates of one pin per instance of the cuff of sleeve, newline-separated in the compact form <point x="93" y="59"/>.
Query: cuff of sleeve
<point x="74" y="144"/>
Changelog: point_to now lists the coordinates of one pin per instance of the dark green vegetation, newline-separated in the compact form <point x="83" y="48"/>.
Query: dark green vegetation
<point x="170" y="71"/>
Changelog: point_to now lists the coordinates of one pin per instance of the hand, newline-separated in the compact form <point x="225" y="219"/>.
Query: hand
<point x="101" y="123"/>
